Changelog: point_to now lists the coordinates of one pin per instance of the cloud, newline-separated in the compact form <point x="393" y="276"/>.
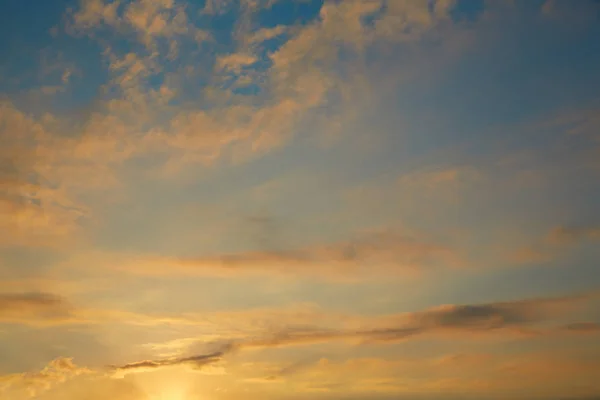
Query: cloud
<point x="263" y="34"/>
<point x="385" y="252"/>
<point x="293" y="87"/>
<point x="306" y="324"/>
<point x="33" y="214"/>
<point x="235" y="62"/>
<point x="196" y="362"/>
<point x="218" y="7"/>
<point x="564" y="235"/>
<point x="50" y="90"/>
<point x="148" y="19"/>
<point x="517" y="316"/>
<point x="34" y="308"/>
<point x="577" y="15"/>
<point x="42" y="174"/>
<point x="34" y="384"/>
<point x="436" y="178"/>
<point x="555" y="242"/>
<point x="95" y="12"/>
<point x="10" y="300"/>
<point x="303" y="75"/>
<point x="215" y="7"/>
<point x="298" y="329"/>
<point x="134" y="116"/>
<point x="529" y="317"/>
<point x="582" y="327"/>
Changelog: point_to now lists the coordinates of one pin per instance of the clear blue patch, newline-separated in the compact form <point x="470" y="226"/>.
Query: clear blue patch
<point x="25" y="24"/>
<point x="467" y="10"/>
<point x="24" y="32"/>
<point x="287" y="12"/>
<point x="221" y="26"/>
<point x="270" y="46"/>
<point x="248" y="90"/>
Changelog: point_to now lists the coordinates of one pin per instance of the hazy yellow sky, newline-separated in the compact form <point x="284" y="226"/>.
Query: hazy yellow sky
<point x="290" y="199"/>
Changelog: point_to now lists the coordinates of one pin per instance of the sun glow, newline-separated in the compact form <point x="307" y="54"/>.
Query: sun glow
<point x="171" y="394"/>
<point x="169" y="384"/>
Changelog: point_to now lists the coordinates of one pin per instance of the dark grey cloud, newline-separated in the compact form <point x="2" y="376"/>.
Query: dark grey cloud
<point x="35" y="299"/>
<point x="196" y="361"/>
<point x="518" y="316"/>
<point x="37" y="309"/>
<point x="558" y="239"/>
<point x="373" y="253"/>
<point x="582" y="327"/>
<point x="571" y="234"/>
<point x="267" y="232"/>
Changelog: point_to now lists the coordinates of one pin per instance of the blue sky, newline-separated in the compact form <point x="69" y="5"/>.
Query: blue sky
<point x="298" y="198"/>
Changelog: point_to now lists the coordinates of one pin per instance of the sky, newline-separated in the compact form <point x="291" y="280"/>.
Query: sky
<point x="292" y="199"/>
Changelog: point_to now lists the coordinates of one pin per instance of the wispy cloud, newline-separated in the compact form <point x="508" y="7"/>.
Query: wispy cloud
<point x="196" y="362"/>
<point x="555" y="242"/>
<point x="583" y="327"/>
<point x="384" y="252"/>
<point x="518" y="317"/>
<point x="533" y="317"/>
<point x="33" y="308"/>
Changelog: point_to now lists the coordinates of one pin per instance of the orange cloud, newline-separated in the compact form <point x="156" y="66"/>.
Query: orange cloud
<point x="368" y="255"/>
<point x="41" y="175"/>
<point x="582" y="327"/>
<point x="35" y="384"/>
<point x="148" y="19"/>
<point x="441" y="178"/>
<point x="298" y="83"/>
<point x="33" y="308"/>
<point x="563" y="235"/>
<point x="287" y="329"/>
<point x="555" y="242"/>
<point x="235" y="62"/>
<point x="516" y="317"/>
